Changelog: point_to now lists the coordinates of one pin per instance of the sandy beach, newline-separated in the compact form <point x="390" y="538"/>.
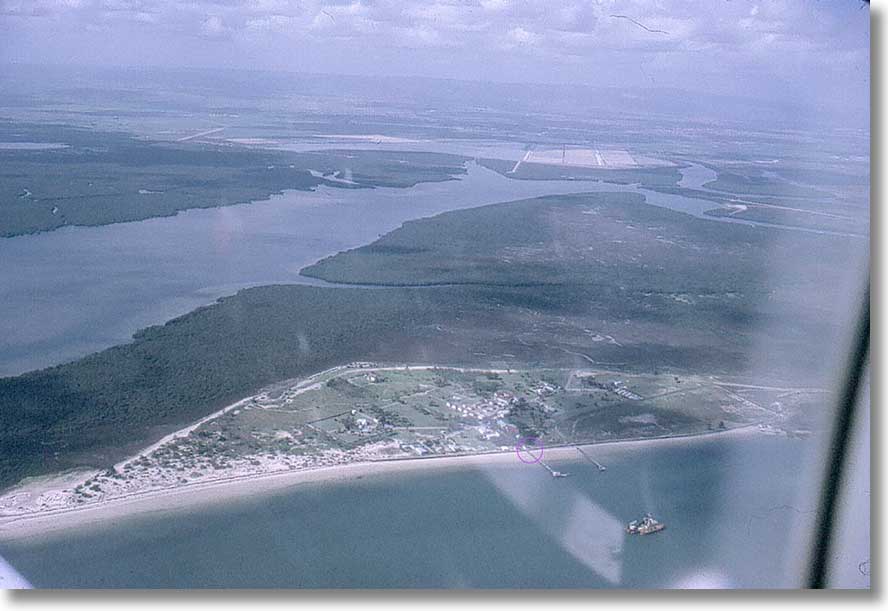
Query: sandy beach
<point x="181" y="498"/>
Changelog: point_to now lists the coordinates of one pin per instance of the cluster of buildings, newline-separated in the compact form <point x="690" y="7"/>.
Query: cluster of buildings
<point x="363" y="423"/>
<point x="484" y="410"/>
<point x="624" y="392"/>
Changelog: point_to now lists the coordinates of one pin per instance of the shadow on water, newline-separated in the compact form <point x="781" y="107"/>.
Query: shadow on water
<point x="506" y="526"/>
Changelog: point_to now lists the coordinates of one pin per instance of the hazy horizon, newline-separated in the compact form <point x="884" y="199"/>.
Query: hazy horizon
<point x="782" y="52"/>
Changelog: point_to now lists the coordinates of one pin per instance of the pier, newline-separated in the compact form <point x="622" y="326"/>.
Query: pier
<point x="553" y="471"/>
<point x="592" y="460"/>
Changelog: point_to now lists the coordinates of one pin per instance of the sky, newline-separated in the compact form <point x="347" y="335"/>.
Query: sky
<point x="774" y="49"/>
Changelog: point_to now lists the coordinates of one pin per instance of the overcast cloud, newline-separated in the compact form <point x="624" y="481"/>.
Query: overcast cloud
<point x="776" y="49"/>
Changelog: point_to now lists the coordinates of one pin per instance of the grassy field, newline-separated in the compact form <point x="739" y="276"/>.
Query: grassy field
<point x="648" y="177"/>
<point x="756" y="183"/>
<point x="371" y="411"/>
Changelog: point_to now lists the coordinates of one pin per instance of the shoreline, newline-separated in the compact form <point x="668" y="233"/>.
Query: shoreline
<point x="171" y="500"/>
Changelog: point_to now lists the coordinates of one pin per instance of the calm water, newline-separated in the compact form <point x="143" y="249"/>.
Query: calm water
<point x="729" y="504"/>
<point x="77" y="290"/>
<point x="71" y="292"/>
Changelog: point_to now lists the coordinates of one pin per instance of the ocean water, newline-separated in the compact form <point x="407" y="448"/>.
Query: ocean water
<point x="733" y="506"/>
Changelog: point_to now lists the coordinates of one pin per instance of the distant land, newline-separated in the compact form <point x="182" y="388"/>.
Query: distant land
<point x="101" y="177"/>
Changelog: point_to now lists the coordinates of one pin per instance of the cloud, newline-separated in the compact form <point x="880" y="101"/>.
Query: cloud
<point x="214" y="27"/>
<point x="718" y="42"/>
<point x="270" y="23"/>
<point x="495" y="5"/>
<point x="518" y="35"/>
<point x="537" y="21"/>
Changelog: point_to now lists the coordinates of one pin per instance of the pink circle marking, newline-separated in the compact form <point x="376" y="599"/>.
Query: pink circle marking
<point x="532" y="448"/>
